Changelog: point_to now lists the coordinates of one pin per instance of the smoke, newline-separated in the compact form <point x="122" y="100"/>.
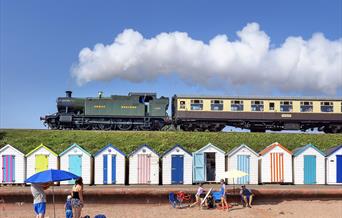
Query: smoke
<point x="313" y="65"/>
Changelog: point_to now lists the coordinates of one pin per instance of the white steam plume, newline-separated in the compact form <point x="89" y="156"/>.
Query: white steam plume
<point x="297" y="65"/>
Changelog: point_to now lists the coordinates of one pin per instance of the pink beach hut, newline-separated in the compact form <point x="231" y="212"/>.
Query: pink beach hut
<point x="12" y="165"/>
<point x="144" y="166"/>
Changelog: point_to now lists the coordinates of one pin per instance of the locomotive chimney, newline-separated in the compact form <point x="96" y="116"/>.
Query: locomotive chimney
<point x="68" y="94"/>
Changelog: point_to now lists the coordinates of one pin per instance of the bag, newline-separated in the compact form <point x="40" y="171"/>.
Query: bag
<point x="100" y="216"/>
<point x="210" y="202"/>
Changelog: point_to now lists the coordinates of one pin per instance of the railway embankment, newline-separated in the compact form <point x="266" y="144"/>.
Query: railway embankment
<point x="58" y="140"/>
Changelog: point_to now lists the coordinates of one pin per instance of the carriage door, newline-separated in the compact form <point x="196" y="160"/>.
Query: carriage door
<point x="42" y="162"/>
<point x="243" y="164"/>
<point x="144" y="168"/>
<point x="271" y="106"/>
<point x="177" y="172"/>
<point x="338" y="168"/>
<point x="8" y="166"/>
<point x="198" y="167"/>
<point x="309" y="169"/>
<point x="277" y="167"/>
<point x="75" y="166"/>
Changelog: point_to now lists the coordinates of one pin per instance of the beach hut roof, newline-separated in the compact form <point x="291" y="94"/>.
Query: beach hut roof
<point x="41" y="146"/>
<point x="110" y="146"/>
<point x="332" y="150"/>
<point x="237" y="148"/>
<point x="141" y="146"/>
<point x="271" y="146"/>
<point x="10" y="146"/>
<point x="175" y="146"/>
<point x="296" y="152"/>
<point x="210" y="145"/>
<point x="72" y="146"/>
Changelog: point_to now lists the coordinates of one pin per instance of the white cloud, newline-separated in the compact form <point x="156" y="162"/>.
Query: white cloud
<point x="297" y="65"/>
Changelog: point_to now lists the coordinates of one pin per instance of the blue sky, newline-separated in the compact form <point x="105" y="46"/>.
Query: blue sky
<point x="41" y="40"/>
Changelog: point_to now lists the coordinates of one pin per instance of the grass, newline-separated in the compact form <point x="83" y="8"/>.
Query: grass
<point x="92" y="141"/>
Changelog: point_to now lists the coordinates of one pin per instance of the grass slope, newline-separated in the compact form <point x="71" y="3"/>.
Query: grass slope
<point x="26" y="140"/>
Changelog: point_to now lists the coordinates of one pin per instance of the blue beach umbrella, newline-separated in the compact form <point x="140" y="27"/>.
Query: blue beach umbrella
<point x="51" y="175"/>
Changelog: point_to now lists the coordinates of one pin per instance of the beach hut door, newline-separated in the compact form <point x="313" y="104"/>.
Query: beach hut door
<point x="338" y="168"/>
<point x="113" y="169"/>
<point x="8" y="166"/>
<point x="41" y="162"/>
<point x="177" y="170"/>
<point x="144" y="168"/>
<point x="109" y="165"/>
<point x="210" y="164"/>
<point x="277" y="167"/>
<point x="199" y="167"/>
<point x="309" y="169"/>
<point x="243" y="163"/>
<point x="75" y="166"/>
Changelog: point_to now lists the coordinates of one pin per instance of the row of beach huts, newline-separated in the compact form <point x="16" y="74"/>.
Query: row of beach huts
<point x="274" y="164"/>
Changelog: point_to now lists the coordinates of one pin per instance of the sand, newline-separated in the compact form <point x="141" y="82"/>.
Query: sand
<point x="293" y="208"/>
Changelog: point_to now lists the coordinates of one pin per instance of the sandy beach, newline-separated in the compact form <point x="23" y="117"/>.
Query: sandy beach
<point x="292" y="208"/>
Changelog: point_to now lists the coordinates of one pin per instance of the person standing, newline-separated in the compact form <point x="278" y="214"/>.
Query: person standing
<point x="77" y="198"/>
<point x="39" y="198"/>
<point x="199" y="195"/>
<point x="223" y="195"/>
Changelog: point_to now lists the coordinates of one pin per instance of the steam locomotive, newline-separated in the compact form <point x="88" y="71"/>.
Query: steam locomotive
<point x="145" y="111"/>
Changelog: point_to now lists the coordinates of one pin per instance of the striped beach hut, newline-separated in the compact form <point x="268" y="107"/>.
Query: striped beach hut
<point x="144" y="166"/>
<point x="77" y="161"/>
<point x="308" y="165"/>
<point x="275" y="164"/>
<point x="334" y="165"/>
<point x="109" y="166"/>
<point x="39" y="159"/>
<point x="177" y="166"/>
<point x="245" y="159"/>
<point x="12" y="165"/>
<point x="208" y="164"/>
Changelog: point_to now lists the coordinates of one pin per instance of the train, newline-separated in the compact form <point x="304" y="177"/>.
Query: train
<point x="145" y="111"/>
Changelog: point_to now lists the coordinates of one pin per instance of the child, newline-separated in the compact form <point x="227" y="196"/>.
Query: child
<point x="68" y="208"/>
<point x="223" y="195"/>
<point x="199" y="195"/>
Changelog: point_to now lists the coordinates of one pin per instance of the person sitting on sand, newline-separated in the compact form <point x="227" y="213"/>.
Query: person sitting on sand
<point x="199" y="195"/>
<point x="246" y="196"/>
<point x="68" y="207"/>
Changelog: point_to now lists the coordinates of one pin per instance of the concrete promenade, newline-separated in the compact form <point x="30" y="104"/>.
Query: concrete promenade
<point x="159" y="194"/>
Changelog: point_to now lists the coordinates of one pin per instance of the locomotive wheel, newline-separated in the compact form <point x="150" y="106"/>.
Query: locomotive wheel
<point x="124" y="127"/>
<point x="104" y="126"/>
<point x="83" y="126"/>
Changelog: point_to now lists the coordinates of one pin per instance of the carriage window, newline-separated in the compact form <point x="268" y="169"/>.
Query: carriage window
<point x="306" y="106"/>
<point x="286" y="106"/>
<point x="182" y="105"/>
<point x="257" y="106"/>
<point x="236" y="105"/>
<point x="197" y="105"/>
<point x="327" y="106"/>
<point x="216" y="105"/>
